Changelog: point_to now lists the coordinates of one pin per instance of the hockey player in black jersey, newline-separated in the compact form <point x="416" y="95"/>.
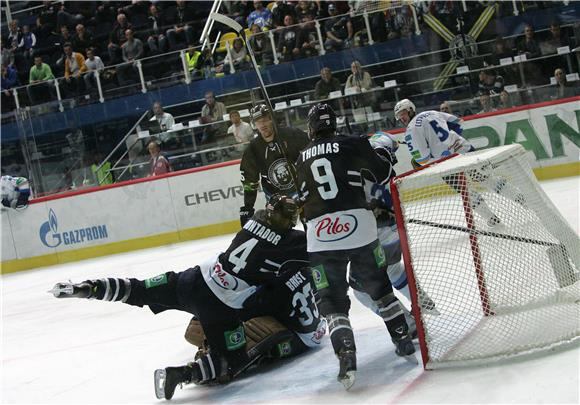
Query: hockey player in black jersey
<point x="264" y="160"/>
<point x="342" y="230"/>
<point x="262" y="273"/>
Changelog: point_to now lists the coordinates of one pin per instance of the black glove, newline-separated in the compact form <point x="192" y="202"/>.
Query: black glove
<point x="6" y="202"/>
<point x="245" y="214"/>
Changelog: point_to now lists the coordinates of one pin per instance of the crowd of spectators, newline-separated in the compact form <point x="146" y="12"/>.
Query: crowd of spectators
<point x="78" y="39"/>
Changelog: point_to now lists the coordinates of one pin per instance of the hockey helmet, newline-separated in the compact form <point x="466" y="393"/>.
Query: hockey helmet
<point x="282" y="212"/>
<point x="404" y="105"/>
<point x="321" y="118"/>
<point x="259" y="111"/>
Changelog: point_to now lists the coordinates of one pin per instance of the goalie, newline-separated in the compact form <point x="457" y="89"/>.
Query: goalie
<point x="263" y="273"/>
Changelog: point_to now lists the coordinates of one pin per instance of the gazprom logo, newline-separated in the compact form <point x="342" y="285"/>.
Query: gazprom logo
<point x="50" y="236"/>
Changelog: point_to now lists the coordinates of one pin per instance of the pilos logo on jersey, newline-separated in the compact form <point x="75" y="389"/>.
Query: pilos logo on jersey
<point x="330" y="229"/>
<point x="222" y="278"/>
<point x="235" y="338"/>
<point x="50" y="237"/>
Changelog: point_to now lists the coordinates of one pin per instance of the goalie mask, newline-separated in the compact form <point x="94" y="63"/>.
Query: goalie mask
<point x="282" y="212"/>
<point x="321" y="121"/>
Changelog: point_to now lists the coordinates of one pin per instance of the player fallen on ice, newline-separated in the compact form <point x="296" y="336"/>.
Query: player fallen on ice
<point x="263" y="273"/>
<point x="15" y="192"/>
<point x="431" y="135"/>
<point x="342" y="230"/>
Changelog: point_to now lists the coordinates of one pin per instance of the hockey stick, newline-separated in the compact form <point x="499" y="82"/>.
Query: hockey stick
<point x="240" y="31"/>
<point x="483" y="233"/>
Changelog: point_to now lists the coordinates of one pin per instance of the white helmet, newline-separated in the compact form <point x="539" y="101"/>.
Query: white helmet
<point x="402" y="105"/>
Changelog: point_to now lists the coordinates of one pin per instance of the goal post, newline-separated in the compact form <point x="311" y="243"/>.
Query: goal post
<point x="483" y="241"/>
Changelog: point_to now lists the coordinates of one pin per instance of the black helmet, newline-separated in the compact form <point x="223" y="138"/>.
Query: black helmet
<point x="282" y="212"/>
<point x="259" y="111"/>
<point x="321" y="118"/>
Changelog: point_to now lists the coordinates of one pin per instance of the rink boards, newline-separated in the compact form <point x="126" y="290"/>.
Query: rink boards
<point x="204" y="202"/>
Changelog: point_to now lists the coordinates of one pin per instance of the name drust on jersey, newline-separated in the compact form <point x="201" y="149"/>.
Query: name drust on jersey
<point x="295" y="281"/>
<point x="321" y="149"/>
<point x="262" y="232"/>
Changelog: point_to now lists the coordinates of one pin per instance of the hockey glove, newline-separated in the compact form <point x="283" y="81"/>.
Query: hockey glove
<point x="245" y="214"/>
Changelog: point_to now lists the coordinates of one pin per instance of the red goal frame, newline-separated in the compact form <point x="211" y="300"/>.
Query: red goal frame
<point x="468" y="212"/>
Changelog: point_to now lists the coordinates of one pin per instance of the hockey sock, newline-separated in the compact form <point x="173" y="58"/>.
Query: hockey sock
<point x="111" y="289"/>
<point x="341" y="334"/>
<point x="393" y="316"/>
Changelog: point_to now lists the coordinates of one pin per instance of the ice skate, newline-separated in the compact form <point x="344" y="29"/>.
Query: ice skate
<point x="70" y="290"/>
<point x="347" y="373"/>
<point x="166" y="380"/>
<point x="404" y="347"/>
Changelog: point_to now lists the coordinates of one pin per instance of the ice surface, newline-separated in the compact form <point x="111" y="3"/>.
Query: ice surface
<point x="80" y="351"/>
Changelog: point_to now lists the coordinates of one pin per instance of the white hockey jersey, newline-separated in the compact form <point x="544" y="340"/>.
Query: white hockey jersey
<point x="433" y="134"/>
<point x="12" y="188"/>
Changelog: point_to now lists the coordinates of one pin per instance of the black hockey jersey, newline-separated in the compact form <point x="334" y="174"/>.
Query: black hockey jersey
<point x="330" y="173"/>
<point x="264" y="162"/>
<point x="253" y="259"/>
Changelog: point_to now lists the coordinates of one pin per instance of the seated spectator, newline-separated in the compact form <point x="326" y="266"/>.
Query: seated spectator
<point x="445" y="107"/>
<point x="563" y="87"/>
<point x="74" y="67"/>
<point x="306" y="8"/>
<point x="156" y="40"/>
<point x="93" y="64"/>
<point x="281" y="10"/>
<point x="239" y="10"/>
<point x="361" y="81"/>
<point x="500" y="50"/>
<point x="117" y="38"/>
<point x="505" y="100"/>
<point x="485" y="102"/>
<point x="207" y="64"/>
<point x="339" y="30"/>
<point x="529" y="46"/>
<point x="239" y="56"/>
<point x="158" y="164"/>
<point x="261" y="16"/>
<point x="14" y="36"/>
<point x="490" y="82"/>
<point x="27" y="44"/>
<point x="307" y="37"/>
<point x="9" y="81"/>
<point x="212" y="111"/>
<point x="180" y="17"/>
<point x="194" y="59"/>
<point x="326" y="84"/>
<point x="261" y="45"/>
<point x="67" y="17"/>
<point x="82" y="40"/>
<point x="132" y="50"/>
<point x="7" y="57"/>
<point x="555" y="40"/>
<point x="287" y="43"/>
<point x="165" y="120"/>
<point x="40" y="78"/>
<point x="64" y="38"/>
<point x="48" y="14"/>
<point x="242" y="131"/>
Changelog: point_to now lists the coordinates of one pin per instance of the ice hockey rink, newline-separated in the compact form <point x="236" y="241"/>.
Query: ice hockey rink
<point x="74" y="351"/>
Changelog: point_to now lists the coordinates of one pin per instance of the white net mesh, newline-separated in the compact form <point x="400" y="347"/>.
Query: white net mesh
<point x="494" y="255"/>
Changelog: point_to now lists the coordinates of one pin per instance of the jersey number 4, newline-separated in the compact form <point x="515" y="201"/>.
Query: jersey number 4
<point x="240" y="254"/>
<point x="322" y="173"/>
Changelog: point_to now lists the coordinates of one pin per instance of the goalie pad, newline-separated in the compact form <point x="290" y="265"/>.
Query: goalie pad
<point x="263" y="334"/>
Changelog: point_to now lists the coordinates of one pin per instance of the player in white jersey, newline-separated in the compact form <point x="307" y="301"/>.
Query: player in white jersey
<point x="15" y="192"/>
<point x="431" y="135"/>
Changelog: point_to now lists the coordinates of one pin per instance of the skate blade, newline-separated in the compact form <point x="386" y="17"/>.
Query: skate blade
<point x="159" y="378"/>
<point x="61" y="289"/>
<point x="348" y="380"/>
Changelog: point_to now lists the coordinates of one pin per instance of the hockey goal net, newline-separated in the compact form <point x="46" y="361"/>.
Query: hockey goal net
<point x="484" y="243"/>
